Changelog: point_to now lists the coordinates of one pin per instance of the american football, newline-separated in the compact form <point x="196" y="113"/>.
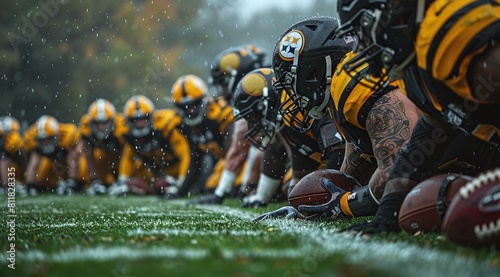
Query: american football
<point x="425" y="205"/>
<point x="139" y="186"/>
<point x="309" y="191"/>
<point x="473" y="218"/>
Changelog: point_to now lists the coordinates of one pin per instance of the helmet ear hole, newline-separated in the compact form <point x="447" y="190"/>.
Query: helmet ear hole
<point x="260" y="106"/>
<point x="314" y="75"/>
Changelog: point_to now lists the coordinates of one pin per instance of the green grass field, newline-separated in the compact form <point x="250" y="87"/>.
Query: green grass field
<point x="144" y="236"/>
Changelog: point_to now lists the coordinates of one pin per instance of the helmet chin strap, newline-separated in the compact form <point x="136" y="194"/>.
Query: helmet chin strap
<point x="318" y="112"/>
<point x="265" y="95"/>
<point x="295" y="68"/>
<point x="398" y="70"/>
<point x="232" y="79"/>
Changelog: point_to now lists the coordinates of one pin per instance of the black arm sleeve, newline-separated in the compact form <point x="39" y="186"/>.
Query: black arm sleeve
<point x="274" y="163"/>
<point x="420" y="158"/>
<point x="194" y="171"/>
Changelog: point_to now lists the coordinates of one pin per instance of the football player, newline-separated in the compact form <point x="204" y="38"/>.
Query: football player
<point x="446" y="56"/>
<point x="375" y="123"/>
<point x="13" y="157"/>
<point x="54" y="160"/>
<point x="319" y="147"/>
<point x="208" y="125"/>
<point x="154" y="150"/>
<point x="101" y="142"/>
<point x="227" y="69"/>
<point x="230" y="65"/>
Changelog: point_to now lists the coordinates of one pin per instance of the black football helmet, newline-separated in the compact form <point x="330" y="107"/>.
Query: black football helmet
<point x="386" y="30"/>
<point x="256" y="101"/>
<point x="304" y="60"/>
<point x="229" y="67"/>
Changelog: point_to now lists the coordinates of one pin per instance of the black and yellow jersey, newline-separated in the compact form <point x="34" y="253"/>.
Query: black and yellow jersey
<point x="67" y="139"/>
<point x="165" y="146"/>
<point x="11" y="144"/>
<point x="450" y="36"/>
<point x="211" y="134"/>
<point x="113" y="143"/>
<point x="313" y="143"/>
<point x="352" y="101"/>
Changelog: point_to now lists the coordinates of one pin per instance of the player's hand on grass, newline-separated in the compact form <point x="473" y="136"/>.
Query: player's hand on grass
<point x="385" y="220"/>
<point x="378" y="225"/>
<point x="287" y="212"/>
<point x="329" y="210"/>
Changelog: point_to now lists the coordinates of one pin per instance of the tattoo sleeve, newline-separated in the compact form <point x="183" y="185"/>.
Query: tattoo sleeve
<point x="389" y="123"/>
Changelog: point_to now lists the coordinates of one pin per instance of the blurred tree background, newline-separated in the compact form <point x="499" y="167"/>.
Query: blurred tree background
<point x="57" y="56"/>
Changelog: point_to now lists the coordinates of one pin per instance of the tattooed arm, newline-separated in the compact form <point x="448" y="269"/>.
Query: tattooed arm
<point x="389" y="124"/>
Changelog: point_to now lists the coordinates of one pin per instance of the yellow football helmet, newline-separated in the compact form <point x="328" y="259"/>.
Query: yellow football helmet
<point x="47" y="134"/>
<point x="9" y="124"/>
<point x="189" y="95"/>
<point x="102" y="115"/>
<point x="137" y="111"/>
<point x="230" y="65"/>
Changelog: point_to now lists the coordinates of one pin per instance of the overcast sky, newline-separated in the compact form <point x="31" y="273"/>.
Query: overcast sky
<point x="252" y="6"/>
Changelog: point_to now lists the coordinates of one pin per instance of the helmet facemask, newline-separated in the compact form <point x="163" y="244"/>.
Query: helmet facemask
<point x="303" y="62"/>
<point x="386" y="33"/>
<point x="300" y="110"/>
<point x="264" y="121"/>
<point x="102" y="114"/>
<point x="140" y="126"/>
<point x="138" y="112"/>
<point x="47" y="145"/>
<point x="101" y="129"/>
<point x="192" y="113"/>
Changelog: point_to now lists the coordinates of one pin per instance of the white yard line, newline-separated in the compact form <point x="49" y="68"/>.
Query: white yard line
<point x="101" y="253"/>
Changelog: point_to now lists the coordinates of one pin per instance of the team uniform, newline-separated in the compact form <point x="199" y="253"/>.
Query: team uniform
<point x="318" y="147"/>
<point x="11" y="150"/>
<point x="106" y="152"/>
<point x="352" y="102"/>
<point x="451" y="35"/>
<point x="162" y="152"/>
<point x="314" y="149"/>
<point x="210" y="136"/>
<point x="432" y="48"/>
<point x="54" y="166"/>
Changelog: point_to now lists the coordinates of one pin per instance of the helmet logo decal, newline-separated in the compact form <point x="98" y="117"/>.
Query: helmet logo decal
<point x="291" y="42"/>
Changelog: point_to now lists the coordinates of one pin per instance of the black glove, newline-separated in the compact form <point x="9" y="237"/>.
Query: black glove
<point x="386" y="219"/>
<point x="287" y="212"/>
<point x="209" y="199"/>
<point x="331" y="209"/>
